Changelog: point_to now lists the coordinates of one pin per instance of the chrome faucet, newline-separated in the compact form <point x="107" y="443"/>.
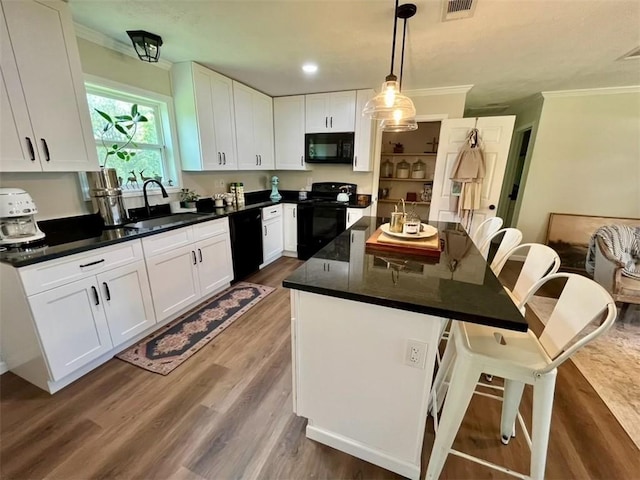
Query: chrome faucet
<point x="144" y="194"/>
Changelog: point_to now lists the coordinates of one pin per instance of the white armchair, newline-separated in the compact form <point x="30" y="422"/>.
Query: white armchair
<point x="608" y="273"/>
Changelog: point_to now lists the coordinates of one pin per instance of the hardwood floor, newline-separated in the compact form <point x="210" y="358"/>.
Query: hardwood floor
<point x="226" y="413"/>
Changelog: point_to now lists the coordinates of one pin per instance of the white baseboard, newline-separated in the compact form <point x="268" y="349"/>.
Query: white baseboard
<point x="365" y="452"/>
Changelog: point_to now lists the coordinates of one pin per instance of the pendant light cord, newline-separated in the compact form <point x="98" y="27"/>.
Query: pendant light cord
<point x="404" y="34"/>
<point x="395" y="27"/>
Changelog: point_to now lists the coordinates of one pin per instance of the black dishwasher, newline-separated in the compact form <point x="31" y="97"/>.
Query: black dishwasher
<point x="246" y="242"/>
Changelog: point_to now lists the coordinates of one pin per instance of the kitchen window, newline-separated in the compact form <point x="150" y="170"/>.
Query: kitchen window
<point x="153" y="155"/>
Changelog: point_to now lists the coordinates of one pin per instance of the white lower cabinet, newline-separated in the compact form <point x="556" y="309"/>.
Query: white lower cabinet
<point x="355" y="214"/>
<point x="71" y="325"/>
<point x="62" y="318"/>
<point x="174" y="281"/>
<point x="126" y="298"/>
<point x="181" y="276"/>
<point x="290" y="229"/>
<point x="215" y="268"/>
<point x="272" y="231"/>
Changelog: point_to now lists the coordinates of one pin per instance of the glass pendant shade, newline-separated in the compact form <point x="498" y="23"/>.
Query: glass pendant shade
<point x="403" y="125"/>
<point x="389" y="104"/>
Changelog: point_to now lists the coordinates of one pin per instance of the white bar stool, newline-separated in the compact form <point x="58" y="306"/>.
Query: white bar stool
<point x="485" y="230"/>
<point x="520" y="358"/>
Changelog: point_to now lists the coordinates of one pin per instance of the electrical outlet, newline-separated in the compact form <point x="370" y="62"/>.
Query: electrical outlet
<point x="416" y="353"/>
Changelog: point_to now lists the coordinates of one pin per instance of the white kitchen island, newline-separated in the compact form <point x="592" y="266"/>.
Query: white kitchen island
<point x="364" y="342"/>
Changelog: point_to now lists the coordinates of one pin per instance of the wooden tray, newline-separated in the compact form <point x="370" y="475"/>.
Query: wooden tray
<point x="381" y="243"/>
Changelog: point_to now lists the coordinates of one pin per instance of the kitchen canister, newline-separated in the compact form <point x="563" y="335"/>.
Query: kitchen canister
<point x="386" y="169"/>
<point x="402" y="170"/>
<point x="418" y="170"/>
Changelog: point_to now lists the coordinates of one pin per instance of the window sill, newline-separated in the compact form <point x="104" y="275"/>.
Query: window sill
<point x="151" y="191"/>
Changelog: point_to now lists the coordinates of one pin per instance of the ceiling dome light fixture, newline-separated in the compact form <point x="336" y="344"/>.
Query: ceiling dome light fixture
<point x="398" y="124"/>
<point x="309" y="68"/>
<point x="390" y="104"/>
<point x="147" y="45"/>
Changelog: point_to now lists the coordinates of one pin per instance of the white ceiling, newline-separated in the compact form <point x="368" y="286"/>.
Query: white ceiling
<point x="509" y="49"/>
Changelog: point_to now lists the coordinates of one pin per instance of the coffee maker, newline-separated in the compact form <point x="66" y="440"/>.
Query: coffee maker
<point x="18" y="225"/>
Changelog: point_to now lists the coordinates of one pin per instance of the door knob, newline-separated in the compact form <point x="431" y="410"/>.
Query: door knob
<point x="492" y="207"/>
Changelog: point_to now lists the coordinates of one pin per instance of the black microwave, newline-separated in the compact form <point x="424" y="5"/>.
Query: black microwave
<point x="329" y="147"/>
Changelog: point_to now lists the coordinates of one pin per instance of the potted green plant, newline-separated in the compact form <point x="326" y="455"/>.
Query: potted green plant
<point x="188" y="198"/>
<point x="126" y="126"/>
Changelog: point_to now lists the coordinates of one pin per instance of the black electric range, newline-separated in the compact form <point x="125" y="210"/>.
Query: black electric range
<point x="322" y="218"/>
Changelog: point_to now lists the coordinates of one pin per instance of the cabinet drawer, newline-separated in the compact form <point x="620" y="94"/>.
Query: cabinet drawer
<point x="210" y="229"/>
<point x="271" y="212"/>
<point x="44" y="276"/>
<point x="167" y="241"/>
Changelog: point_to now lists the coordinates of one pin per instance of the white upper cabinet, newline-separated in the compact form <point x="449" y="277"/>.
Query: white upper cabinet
<point x="205" y="116"/>
<point x="330" y="112"/>
<point x="254" y="128"/>
<point x="45" y="116"/>
<point x="288" y="126"/>
<point x="365" y="128"/>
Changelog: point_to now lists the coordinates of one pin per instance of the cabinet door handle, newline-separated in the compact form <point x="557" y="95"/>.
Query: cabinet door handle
<point x="302" y="160"/>
<point x="46" y="150"/>
<point x="193" y="254"/>
<point x="92" y="263"/>
<point x="331" y="123"/>
<point x="326" y="122"/>
<point x="95" y="294"/>
<point x="32" y="153"/>
<point x="294" y="213"/>
<point x="256" y="159"/>
<point x="106" y="290"/>
<point x="219" y="159"/>
<point x="200" y="255"/>
<point x="224" y="158"/>
<point x="355" y="161"/>
<point x="265" y="230"/>
<point x="328" y="267"/>
<point x="260" y="160"/>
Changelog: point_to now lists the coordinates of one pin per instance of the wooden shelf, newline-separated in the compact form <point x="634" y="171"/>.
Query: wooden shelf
<point x="407" y="154"/>
<point x="414" y="180"/>
<point x="391" y="200"/>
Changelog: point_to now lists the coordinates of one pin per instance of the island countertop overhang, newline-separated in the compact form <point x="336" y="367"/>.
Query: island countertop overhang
<point x="470" y="292"/>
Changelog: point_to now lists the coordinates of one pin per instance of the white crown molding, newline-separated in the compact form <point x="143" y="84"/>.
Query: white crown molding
<point x="103" y="40"/>
<point x="591" y="91"/>
<point x="424" y="92"/>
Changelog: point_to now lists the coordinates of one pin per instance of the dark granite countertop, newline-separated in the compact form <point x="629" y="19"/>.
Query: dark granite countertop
<point x="458" y="285"/>
<point x="80" y="234"/>
<point x="84" y="233"/>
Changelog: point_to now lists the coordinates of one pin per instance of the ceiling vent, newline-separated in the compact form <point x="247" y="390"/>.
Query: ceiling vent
<point x="457" y="9"/>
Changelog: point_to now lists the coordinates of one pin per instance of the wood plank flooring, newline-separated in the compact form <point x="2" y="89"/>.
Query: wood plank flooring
<point x="226" y="414"/>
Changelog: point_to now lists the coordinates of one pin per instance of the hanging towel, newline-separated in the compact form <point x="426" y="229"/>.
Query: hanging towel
<point x="624" y="244"/>
<point x="469" y="171"/>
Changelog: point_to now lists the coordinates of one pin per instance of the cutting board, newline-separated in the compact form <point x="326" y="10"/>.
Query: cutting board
<point x="428" y="247"/>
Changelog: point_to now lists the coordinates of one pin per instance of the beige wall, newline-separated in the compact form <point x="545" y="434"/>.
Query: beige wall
<point x="586" y="160"/>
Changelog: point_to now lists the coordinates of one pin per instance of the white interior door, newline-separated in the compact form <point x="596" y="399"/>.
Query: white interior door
<point x="495" y="134"/>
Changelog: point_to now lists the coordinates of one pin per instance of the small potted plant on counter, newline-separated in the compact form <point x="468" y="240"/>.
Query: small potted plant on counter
<point x="188" y="198"/>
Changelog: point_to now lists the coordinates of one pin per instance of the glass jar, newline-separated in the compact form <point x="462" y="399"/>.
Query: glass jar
<point x="386" y="169"/>
<point x="418" y="170"/>
<point x="402" y="170"/>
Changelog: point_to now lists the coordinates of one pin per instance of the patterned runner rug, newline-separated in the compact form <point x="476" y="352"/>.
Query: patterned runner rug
<point x="610" y="364"/>
<point x="164" y="350"/>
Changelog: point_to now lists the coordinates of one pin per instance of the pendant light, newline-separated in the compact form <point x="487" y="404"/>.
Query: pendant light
<point x="390" y="103"/>
<point x="406" y="124"/>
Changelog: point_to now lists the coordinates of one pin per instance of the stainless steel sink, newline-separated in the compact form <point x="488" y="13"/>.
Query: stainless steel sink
<point x="165" y="221"/>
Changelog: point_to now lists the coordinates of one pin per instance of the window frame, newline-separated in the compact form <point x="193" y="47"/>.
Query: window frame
<point x="166" y="125"/>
